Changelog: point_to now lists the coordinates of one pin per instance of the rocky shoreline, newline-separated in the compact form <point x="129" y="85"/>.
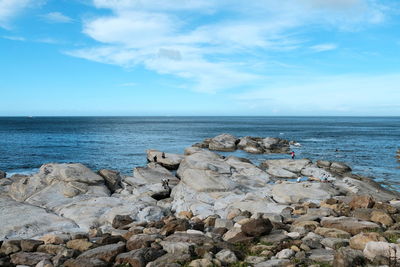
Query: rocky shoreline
<point x="200" y="209"/>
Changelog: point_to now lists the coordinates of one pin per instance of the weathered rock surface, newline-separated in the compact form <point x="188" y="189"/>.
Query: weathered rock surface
<point x="167" y="160"/>
<point x="287" y="193"/>
<point x="350" y="225"/>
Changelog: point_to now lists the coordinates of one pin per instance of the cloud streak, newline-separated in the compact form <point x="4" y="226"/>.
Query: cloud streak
<point x="57" y="17"/>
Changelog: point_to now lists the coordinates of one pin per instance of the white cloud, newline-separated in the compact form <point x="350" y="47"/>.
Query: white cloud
<point x="213" y="49"/>
<point x="11" y="8"/>
<point x="323" y="47"/>
<point x="15" y="38"/>
<point x="57" y="17"/>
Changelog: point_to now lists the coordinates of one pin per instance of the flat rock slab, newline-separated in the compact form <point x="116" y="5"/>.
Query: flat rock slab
<point x="167" y="160"/>
<point x="350" y="225"/>
<point x="290" y="193"/>
<point x="24" y="221"/>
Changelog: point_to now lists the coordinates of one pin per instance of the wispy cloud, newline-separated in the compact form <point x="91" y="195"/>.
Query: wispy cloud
<point x="211" y="51"/>
<point x="130" y="84"/>
<point x="323" y="47"/>
<point x="57" y="17"/>
<point x="15" y="38"/>
<point x="11" y="8"/>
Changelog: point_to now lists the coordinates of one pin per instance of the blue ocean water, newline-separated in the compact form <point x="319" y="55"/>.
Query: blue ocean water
<point x="368" y="144"/>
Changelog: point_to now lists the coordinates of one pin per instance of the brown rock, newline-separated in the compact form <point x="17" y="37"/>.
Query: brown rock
<point x="185" y="215"/>
<point x="79" y="244"/>
<point x="362" y="214"/>
<point x="308" y="225"/>
<point x="85" y="263"/>
<point x="139" y="257"/>
<point x="173" y="226"/>
<point x="380" y="216"/>
<point x="361" y="202"/>
<point x="52" y="249"/>
<point x="347" y="257"/>
<point x="121" y="220"/>
<point x="109" y="239"/>
<point x="387" y="207"/>
<point x="210" y="221"/>
<point x="332" y="232"/>
<point x="30" y="245"/>
<point x="53" y="239"/>
<point x="105" y="253"/>
<point x="197" y="239"/>
<point x="257" y="227"/>
<point x="236" y="235"/>
<point x="10" y="246"/>
<point x="359" y="241"/>
<point x="140" y="241"/>
<point x="26" y="258"/>
<point x="350" y="225"/>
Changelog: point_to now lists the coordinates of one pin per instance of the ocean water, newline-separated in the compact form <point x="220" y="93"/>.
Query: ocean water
<point x="368" y="144"/>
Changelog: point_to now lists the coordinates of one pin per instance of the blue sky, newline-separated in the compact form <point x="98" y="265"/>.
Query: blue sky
<point x="200" y="57"/>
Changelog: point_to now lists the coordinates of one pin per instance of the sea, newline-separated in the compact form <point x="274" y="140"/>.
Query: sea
<point x="367" y="144"/>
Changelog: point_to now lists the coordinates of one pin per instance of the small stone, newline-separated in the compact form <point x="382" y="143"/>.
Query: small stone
<point x="332" y="232"/>
<point x="121" y="220"/>
<point x="360" y="240"/>
<point x="44" y="263"/>
<point x="185" y="215"/>
<point x="294" y="235"/>
<point x="30" y="245"/>
<point x="26" y="258"/>
<point x="226" y="256"/>
<point x="361" y="202"/>
<point x="201" y="263"/>
<point x="334" y="243"/>
<point x="140" y="241"/>
<point x="54" y="239"/>
<point x="305" y="247"/>
<point x="222" y="223"/>
<point x="257" y="227"/>
<point x="10" y="246"/>
<point x="105" y="253"/>
<point x="380" y="216"/>
<point x="285" y="254"/>
<point x="348" y="257"/>
<point x="295" y="248"/>
<point x="79" y="244"/>
<point x="85" y="263"/>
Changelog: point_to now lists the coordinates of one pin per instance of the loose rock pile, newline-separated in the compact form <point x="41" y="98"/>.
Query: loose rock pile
<point x="210" y="211"/>
<point x="331" y="233"/>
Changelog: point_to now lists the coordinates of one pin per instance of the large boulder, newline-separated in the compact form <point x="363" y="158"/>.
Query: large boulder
<point x="20" y="220"/>
<point x="3" y="174"/>
<point x="288" y="193"/>
<point x="252" y="145"/>
<point x="167" y="160"/>
<point x="223" y="142"/>
<point x="211" y="184"/>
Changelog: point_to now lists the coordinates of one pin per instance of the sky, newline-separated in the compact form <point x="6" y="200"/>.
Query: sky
<point x="199" y="57"/>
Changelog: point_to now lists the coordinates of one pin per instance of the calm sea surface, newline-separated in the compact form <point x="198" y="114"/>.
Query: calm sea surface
<point x="368" y="144"/>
